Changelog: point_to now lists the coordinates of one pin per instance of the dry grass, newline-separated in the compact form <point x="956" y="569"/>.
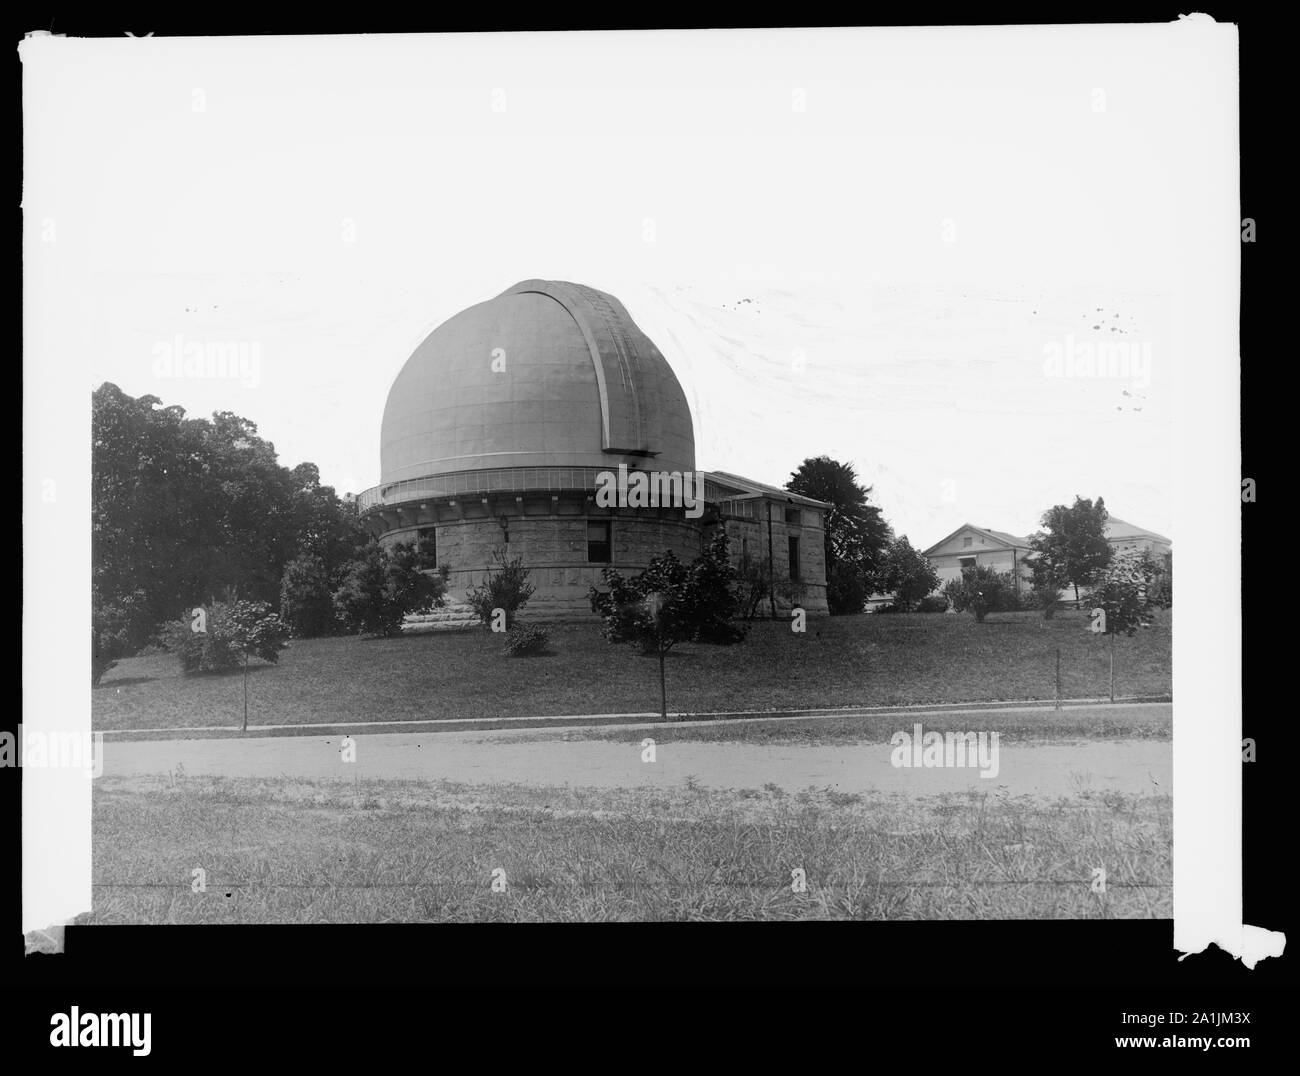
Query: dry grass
<point x="307" y="852"/>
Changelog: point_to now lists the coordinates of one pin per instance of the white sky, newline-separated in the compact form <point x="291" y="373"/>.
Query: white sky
<point x="869" y="337"/>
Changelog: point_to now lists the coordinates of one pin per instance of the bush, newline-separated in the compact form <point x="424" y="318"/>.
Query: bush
<point x="935" y="603"/>
<point x="698" y="602"/>
<point x="233" y="631"/>
<point x="1124" y="593"/>
<point x="790" y="594"/>
<point x="889" y="608"/>
<point x="306" y="605"/>
<point x="507" y="588"/>
<point x="982" y="590"/>
<point x="753" y="585"/>
<point x="524" y="639"/>
<point x="383" y="586"/>
<point x="846" y="589"/>
<point x="117" y="630"/>
<point x="1160" y="578"/>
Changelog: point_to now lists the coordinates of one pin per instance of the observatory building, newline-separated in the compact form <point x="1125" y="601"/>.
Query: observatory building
<point x="522" y="424"/>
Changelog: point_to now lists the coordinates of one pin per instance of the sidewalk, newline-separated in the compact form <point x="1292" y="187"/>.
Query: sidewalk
<point x="638" y="720"/>
<point x="512" y="756"/>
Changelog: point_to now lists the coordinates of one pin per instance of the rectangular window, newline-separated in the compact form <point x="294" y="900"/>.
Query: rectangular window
<point x="598" y="541"/>
<point x="965" y="543"/>
<point x="794" y="558"/>
<point x="967" y="563"/>
<point x="426" y="546"/>
<point x="792" y="517"/>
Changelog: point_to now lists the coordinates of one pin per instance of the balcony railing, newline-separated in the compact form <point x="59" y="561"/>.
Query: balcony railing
<point x="465" y="483"/>
<point x="521" y="480"/>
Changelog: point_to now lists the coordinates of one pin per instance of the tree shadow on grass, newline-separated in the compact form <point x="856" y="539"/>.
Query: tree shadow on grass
<point x="225" y="674"/>
<point x="125" y="681"/>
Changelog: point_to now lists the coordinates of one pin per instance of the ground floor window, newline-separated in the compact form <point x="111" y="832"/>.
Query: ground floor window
<point x="426" y="547"/>
<point x="794" y="559"/>
<point x="598" y="541"/>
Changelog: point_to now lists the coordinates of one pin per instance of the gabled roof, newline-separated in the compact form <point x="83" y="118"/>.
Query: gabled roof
<point x="999" y="537"/>
<point x="749" y="486"/>
<point x="1118" y="530"/>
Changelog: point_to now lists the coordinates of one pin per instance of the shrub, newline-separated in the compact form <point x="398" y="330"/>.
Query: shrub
<point x="1160" y="578"/>
<point x="935" y="603"/>
<point x="383" y="586"/>
<point x="888" y="608"/>
<point x="753" y="585"/>
<point x="525" y="639"/>
<point x="790" y="594"/>
<point x="981" y="590"/>
<point x="846" y="589"/>
<point x="697" y="602"/>
<point x="1123" y="592"/>
<point x="117" y="630"/>
<point x="1046" y="581"/>
<point x="507" y="588"/>
<point x="233" y="632"/>
<point x="306" y="605"/>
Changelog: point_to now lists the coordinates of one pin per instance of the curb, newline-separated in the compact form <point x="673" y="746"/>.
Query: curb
<point x="597" y="721"/>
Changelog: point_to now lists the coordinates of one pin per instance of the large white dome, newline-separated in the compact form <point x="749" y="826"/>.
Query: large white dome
<point x="546" y="374"/>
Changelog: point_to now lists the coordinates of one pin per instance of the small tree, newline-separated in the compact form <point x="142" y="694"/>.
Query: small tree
<point x="907" y="574"/>
<point x="306" y="605"/>
<point x="671" y="602"/>
<point x="226" y="634"/>
<point x="982" y="590"/>
<point x="1122" y="600"/>
<point x="383" y="586"/>
<point x="508" y="588"/>
<point x="1046" y="581"/>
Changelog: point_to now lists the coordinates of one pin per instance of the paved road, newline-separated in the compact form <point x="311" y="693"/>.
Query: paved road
<point x="1137" y="766"/>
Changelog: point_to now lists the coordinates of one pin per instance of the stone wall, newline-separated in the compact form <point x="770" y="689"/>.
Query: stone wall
<point x="554" y="549"/>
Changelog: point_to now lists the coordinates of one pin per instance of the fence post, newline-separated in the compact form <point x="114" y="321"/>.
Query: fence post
<point x="1058" y="677"/>
<point x="1112" y="666"/>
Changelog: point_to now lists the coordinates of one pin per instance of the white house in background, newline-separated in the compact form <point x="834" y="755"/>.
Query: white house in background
<point x="1126" y="538"/>
<point x="970" y="546"/>
<point x="980" y="547"/>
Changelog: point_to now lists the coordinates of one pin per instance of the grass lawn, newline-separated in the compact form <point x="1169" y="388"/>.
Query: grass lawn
<point x="842" y="661"/>
<point x="338" y="851"/>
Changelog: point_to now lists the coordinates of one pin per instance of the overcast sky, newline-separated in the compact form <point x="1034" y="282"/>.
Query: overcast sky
<point x="920" y="219"/>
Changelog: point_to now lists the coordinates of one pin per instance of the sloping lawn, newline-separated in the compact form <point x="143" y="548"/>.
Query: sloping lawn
<point x="864" y="660"/>
<point x="839" y="662"/>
